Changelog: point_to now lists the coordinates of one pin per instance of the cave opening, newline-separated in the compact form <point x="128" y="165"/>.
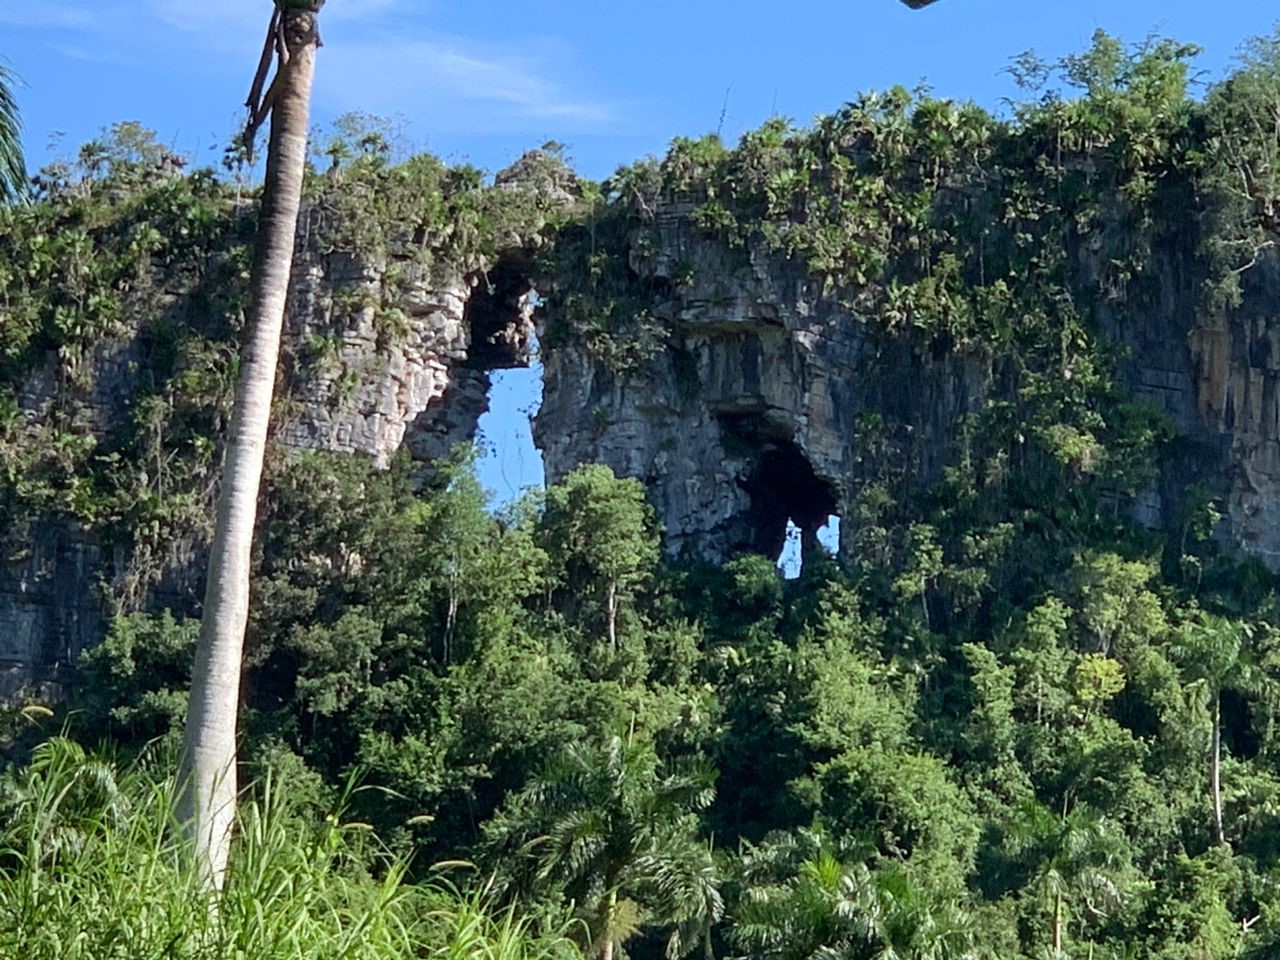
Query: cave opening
<point x="793" y="510"/>
<point x="505" y="347"/>
<point x="784" y="489"/>
<point x="508" y="462"/>
<point x="499" y="315"/>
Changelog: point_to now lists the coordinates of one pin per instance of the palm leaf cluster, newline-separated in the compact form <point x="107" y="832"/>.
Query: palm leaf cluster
<point x="807" y="898"/>
<point x="617" y="833"/>
<point x="13" y="170"/>
<point x="1076" y="860"/>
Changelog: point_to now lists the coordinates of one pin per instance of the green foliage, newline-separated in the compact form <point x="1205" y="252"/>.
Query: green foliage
<point x="1076" y="862"/>
<point x="803" y="899"/>
<point x="419" y="210"/>
<point x="135" y="682"/>
<point x="596" y="299"/>
<point x="1097" y="679"/>
<point x="936" y="768"/>
<point x="126" y="261"/>
<point x="617" y="835"/>
<point x="601" y="540"/>
<point x="13" y="171"/>
<point x="1243" y="166"/>
<point x="90" y="869"/>
<point x="116" y="238"/>
<point x="992" y="728"/>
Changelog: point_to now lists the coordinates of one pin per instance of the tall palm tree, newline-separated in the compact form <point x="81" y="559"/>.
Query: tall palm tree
<point x="1214" y="657"/>
<point x="13" y="172"/>
<point x="208" y="770"/>
<point x="1077" y="860"/>
<point x="617" y="833"/>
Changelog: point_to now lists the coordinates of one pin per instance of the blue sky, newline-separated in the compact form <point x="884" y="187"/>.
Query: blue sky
<point x="486" y="79"/>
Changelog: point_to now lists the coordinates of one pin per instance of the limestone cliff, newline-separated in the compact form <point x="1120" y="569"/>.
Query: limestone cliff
<point x="818" y="322"/>
<point x="750" y="415"/>
<point x="392" y="329"/>
<point x="771" y="383"/>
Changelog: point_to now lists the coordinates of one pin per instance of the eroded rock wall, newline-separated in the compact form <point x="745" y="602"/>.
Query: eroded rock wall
<point x="751" y="417"/>
<point x="756" y="411"/>
<point x="1234" y="372"/>
<point x="768" y="400"/>
<point x="381" y="353"/>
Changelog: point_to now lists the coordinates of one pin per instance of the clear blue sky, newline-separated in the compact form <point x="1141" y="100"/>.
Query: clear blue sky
<point x="483" y="80"/>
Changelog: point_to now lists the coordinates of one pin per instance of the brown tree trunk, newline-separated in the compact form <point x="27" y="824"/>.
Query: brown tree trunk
<point x="207" y="776"/>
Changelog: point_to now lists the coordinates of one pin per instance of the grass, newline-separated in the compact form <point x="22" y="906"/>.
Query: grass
<point x="92" y="868"/>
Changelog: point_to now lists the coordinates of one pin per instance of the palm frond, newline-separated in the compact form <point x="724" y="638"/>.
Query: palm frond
<point x="13" y="170"/>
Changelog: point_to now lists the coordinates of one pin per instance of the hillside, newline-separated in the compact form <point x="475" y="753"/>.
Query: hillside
<point x="1029" y="361"/>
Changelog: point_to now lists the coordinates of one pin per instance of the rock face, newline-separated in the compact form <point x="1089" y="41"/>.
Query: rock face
<point x="752" y="417"/>
<point x="768" y="401"/>
<point x="381" y="353"/>
<point x="758" y="411"/>
<point x="361" y="385"/>
<point x="1229" y="388"/>
<point x="375" y="371"/>
<point x="49" y="611"/>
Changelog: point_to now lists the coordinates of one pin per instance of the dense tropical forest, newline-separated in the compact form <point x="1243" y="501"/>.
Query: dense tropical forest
<point x="1009" y="721"/>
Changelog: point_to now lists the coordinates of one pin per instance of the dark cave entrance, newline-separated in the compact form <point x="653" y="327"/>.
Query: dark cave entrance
<point x="492" y="392"/>
<point x="790" y="504"/>
<point x="499" y="315"/>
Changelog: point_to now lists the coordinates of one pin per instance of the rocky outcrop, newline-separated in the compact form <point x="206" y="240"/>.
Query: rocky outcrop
<point x="768" y="400"/>
<point x="49" y="609"/>
<point x="757" y="411"/>
<point x="395" y="351"/>
<point x="1231" y="382"/>
<point x="383" y="351"/>
<point x="751" y="417"/>
<point x="377" y="368"/>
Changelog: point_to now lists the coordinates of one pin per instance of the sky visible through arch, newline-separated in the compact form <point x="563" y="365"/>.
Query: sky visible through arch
<point x="485" y="80"/>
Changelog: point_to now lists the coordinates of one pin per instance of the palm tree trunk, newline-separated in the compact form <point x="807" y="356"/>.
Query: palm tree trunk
<point x="1215" y="771"/>
<point x="1057" y="925"/>
<point x="207" y="776"/>
<point x="610" y="907"/>
<point x="612" y="605"/>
